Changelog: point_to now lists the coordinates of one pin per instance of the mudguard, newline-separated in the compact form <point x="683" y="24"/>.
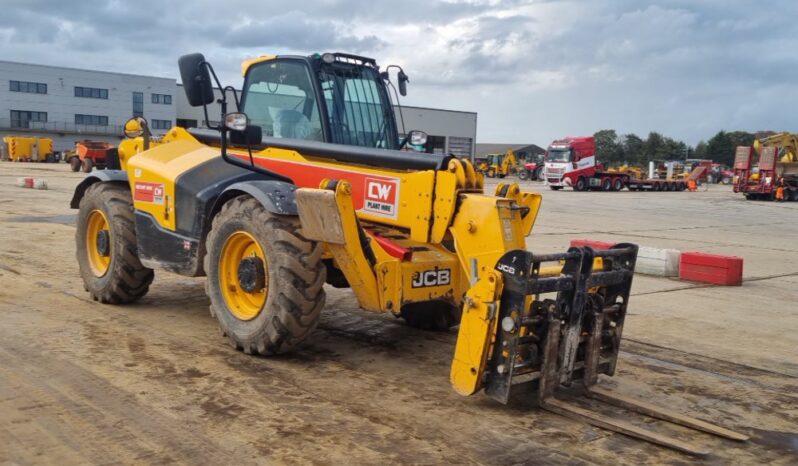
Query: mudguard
<point x="97" y="176"/>
<point x="276" y="196"/>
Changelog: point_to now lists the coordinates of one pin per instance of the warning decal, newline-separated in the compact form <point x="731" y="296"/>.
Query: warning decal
<point x="148" y="192"/>
<point x="380" y="196"/>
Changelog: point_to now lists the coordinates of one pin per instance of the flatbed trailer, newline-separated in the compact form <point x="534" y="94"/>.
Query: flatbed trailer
<point x="617" y="181"/>
<point x="656" y="185"/>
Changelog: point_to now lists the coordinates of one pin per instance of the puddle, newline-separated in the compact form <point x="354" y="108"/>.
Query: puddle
<point x="59" y="219"/>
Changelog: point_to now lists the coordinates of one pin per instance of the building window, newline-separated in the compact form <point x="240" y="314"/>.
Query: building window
<point x="436" y="144"/>
<point x="138" y="104"/>
<point x="92" y="120"/>
<point x="161" y="124"/>
<point x="186" y="123"/>
<point x="165" y="99"/>
<point x="25" y="86"/>
<point x="23" y="118"/>
<point x="91" y="92"/>
<point x="459" y="146"/>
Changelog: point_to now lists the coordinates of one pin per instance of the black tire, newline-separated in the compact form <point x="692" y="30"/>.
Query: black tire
<point x="126" y="280"/>
<point x="555" y="188"/>
<point x="617" y="184"/>
<point x="606" y="184"/>
<point x="655" y="186"/>
<point x="523" y="174"/>
<point x="74" y="164"/>
<point x="87" y="165"/>
<point x="538" y="174"/>
<point x="581" y="184"/>
<point x="296" y="275"/>
<point x="437" y="316"/>
<point x="491" y="173"/>
<point x="50" y="158"/>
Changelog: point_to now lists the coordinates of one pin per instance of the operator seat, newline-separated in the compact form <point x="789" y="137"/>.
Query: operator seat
<point x="290" y="124"/>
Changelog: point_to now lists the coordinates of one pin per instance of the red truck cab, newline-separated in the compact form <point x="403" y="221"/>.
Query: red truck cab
<point x="569" y="159"/>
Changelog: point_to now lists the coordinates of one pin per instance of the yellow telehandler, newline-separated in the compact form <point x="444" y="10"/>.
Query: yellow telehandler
<point x="305" y="183"/>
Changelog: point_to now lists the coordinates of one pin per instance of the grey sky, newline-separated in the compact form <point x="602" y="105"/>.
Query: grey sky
<point x="534" y="70"/>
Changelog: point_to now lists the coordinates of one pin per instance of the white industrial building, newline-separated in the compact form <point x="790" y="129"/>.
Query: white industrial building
<point x="69" y="105"/>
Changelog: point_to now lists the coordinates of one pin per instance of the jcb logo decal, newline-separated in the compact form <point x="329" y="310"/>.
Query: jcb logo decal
<point x="437" y="277"/>
<point x="381" y="196"/>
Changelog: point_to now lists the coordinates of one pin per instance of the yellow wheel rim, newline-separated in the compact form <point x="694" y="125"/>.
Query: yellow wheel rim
<point x="98" y="249"/>
<point x="244" y="304"/>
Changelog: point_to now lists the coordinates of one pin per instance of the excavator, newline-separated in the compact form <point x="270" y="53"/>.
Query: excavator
<point x="304" y="183"/>
<point x="500" y="165"/>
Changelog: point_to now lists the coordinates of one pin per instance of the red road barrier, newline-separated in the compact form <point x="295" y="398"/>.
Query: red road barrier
<point x="711" y="268"/>
<point x="578" y="243"/>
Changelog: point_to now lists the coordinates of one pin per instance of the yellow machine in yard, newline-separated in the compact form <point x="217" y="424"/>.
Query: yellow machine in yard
<point x="499" y="165"/>
<point x="305" y="183"/>
<point x="27" y="149"/>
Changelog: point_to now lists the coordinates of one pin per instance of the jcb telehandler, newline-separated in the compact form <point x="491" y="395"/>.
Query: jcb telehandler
<point x="305" y="184"/>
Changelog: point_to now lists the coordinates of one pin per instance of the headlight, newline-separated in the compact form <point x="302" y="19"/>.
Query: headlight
<point x="236" y="121"/>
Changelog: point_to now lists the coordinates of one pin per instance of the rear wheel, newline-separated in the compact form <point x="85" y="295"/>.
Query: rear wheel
<point x="655" y="187"/>
<point x="617" y="185"/>
<point x="606" y="184"/>
<point x="538" y="174"/>
<point x="106" y="246"/>
<point x="264" y="279"/>
<point x="431" y="315"/>
<point x="74" y="164"/>
<point x="87" y="165"/>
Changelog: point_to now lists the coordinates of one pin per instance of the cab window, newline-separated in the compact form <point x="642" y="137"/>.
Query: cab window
<point x="278" y="96"/>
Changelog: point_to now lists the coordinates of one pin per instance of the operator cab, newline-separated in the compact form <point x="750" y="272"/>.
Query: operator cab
<point x="337" y="98"/>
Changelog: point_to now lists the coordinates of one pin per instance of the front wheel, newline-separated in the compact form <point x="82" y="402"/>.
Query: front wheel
<point x="264" y="279"/>
<point x="555" y="188"/>
<point x="87" y="165"/>
<point x="523" y="175"/>
<point x="74" y="164"/>
<point x="106" y="246"/>
<point x="581" y="184"/>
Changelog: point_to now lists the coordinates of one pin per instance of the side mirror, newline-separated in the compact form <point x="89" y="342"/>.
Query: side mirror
<point x="250" y="136"/>
<point x="403" y="79"/>
<point x="196" y="79"/>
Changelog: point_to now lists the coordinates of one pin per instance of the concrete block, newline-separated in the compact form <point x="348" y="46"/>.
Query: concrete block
<point x="657" y="261"/>
<point x="595" y="244"/>
<point x="711" y="268"/>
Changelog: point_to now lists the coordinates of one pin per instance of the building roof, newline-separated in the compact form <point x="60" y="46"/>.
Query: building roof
<point x="483" y="149"/>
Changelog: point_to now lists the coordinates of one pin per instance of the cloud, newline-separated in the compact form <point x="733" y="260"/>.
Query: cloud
<point x="534" y="70"/>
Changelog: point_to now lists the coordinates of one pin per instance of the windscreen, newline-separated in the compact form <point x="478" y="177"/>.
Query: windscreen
<point x="559" y="155"/>
<point x="279" y="98"/>
<point x="358" y="108"/>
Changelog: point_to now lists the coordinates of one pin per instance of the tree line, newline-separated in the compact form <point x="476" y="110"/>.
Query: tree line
<point x="615" y="149"/>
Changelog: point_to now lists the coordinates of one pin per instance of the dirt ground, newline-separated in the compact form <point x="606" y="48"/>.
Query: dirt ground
<point x="85" y="383"/>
